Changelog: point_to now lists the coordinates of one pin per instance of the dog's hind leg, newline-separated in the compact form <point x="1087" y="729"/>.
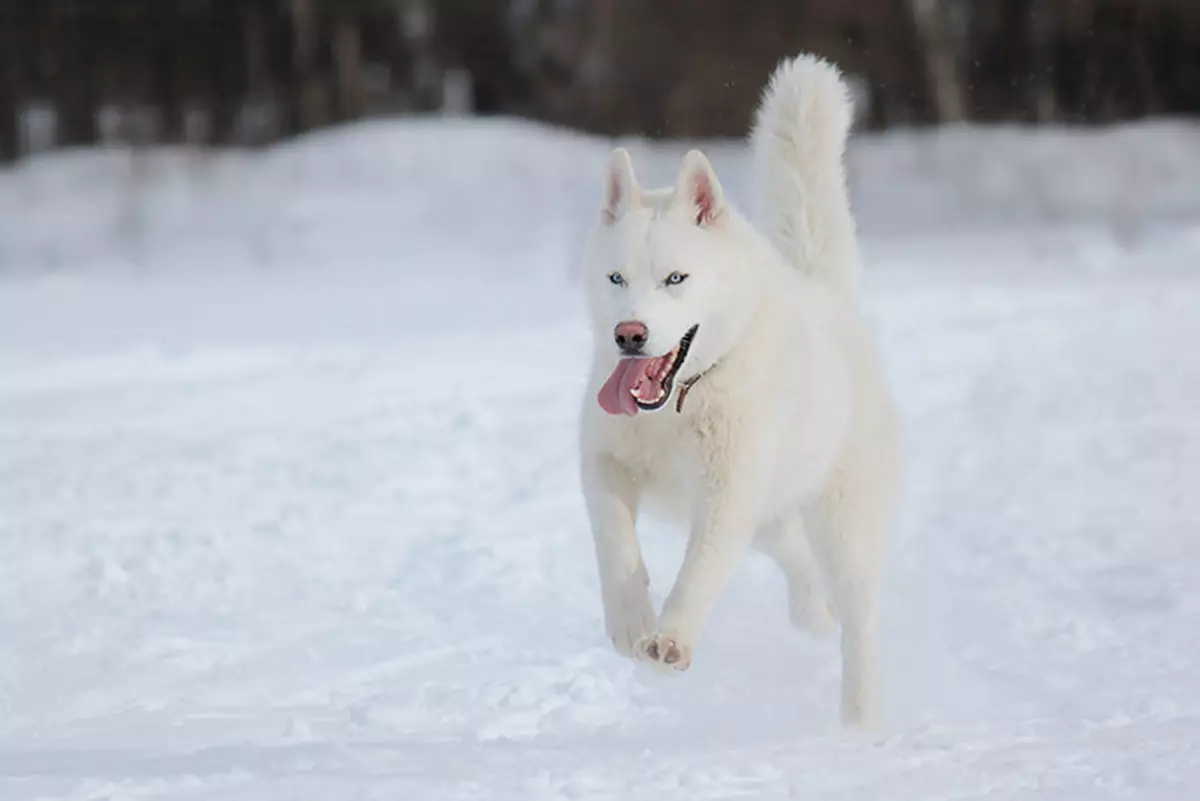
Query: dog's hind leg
<point x="612" y="497"/>
<point x="809" y="608"/>
<point x="849" y="527"/>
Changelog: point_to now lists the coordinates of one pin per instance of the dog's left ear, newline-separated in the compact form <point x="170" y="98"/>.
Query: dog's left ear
<point x="621" y="190"/>
<point x="697" y="186"/>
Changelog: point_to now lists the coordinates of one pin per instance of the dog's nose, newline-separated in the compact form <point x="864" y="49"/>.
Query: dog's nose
<point x="631" y="336"/>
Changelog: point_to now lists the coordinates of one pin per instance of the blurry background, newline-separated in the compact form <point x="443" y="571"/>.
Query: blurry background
<point x="246" y="72"/>
<point x="291" y="362"/>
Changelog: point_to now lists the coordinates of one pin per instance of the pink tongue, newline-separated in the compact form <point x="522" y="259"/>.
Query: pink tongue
<point x="616" y="395"/>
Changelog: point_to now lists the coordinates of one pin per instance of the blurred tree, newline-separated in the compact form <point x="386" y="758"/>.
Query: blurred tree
<point x="941" y="26"/>
<point x="75" y="92"/>
<point x="251" y="71"/>
<point x="476" y="36"/>
<point x="11" y="76"/>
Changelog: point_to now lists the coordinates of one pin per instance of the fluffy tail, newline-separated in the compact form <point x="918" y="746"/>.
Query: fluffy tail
<point x="799" y="141"/>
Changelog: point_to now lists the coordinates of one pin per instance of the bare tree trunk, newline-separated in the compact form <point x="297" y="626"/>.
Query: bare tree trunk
<point x="598" y="75"/>
<point x="259" y="124"/>
<point x="347" y="62"/>
<point x="226" y="76"/>
<point x="1148" y="90"/>
<point x="257" y="82"/>
<point x="415" y="72"/>
<point x="309" y="108"/>
<point x="169" y="50"/>
<point x="1042" y="25"/>
<point x="942" y="64"/>
<point x="11" y="45"/>
<point x="74" y="79"/>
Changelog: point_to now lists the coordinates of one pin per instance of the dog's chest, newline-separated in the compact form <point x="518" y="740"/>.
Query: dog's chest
<point x="661" y="445"/>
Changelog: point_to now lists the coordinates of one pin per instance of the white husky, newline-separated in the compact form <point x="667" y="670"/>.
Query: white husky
<point x="734" y="385"/>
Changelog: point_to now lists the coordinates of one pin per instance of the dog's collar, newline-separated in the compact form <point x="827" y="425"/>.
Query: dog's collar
<point x="686" y="386"/>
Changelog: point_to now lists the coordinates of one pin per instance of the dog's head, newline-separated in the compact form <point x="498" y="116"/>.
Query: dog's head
<point x="660" y="273"/>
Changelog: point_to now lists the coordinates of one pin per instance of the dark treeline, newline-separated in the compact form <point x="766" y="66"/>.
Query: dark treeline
<point x="209" y="71"/>
<point x="253" y="71"/>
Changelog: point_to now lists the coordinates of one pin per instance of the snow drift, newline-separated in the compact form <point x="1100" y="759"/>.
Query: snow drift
<point x="277" y="521"/>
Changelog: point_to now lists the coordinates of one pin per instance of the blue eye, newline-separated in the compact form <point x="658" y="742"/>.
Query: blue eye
<point x="617" y="279"/>
<point x="676" y="278"/>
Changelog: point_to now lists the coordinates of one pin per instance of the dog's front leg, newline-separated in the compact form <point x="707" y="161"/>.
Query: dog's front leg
<point x="611" y="494"/>
<point x="722" y="531"/>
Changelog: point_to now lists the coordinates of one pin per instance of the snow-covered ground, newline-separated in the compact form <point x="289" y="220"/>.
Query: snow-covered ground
<point x="288" y="506"/>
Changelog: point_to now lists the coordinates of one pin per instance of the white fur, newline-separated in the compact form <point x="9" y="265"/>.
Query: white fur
<point x="789" y="441"/>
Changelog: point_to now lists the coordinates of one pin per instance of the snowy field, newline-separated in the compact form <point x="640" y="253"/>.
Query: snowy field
<point x="289" y="510"/>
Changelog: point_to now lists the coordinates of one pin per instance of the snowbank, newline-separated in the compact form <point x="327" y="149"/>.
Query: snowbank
<point x="435" y="194"/>
<point x="289" y="507"/>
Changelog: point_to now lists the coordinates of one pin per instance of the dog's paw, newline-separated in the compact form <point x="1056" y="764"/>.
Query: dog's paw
<point x="628" y="619"/>
<point x="665" y="653"/>
<point x="813" y="614"/>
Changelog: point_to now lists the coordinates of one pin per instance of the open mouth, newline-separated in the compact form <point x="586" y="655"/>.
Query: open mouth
<point x="644" y="383"/>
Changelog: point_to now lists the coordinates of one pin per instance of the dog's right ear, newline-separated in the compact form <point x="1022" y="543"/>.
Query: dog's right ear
<point x="699" y="189"/>
<point x="621" y="191"/>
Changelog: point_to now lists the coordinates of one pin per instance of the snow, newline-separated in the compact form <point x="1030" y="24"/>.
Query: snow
<point x="288" y="503"/>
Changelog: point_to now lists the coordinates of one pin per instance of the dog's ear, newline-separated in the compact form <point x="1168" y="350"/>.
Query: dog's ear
<point x="698" y="188"/>
<point x="621" y="191"/>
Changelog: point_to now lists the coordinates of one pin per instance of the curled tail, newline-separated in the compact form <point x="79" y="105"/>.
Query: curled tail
<point x="799" y="142"/>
